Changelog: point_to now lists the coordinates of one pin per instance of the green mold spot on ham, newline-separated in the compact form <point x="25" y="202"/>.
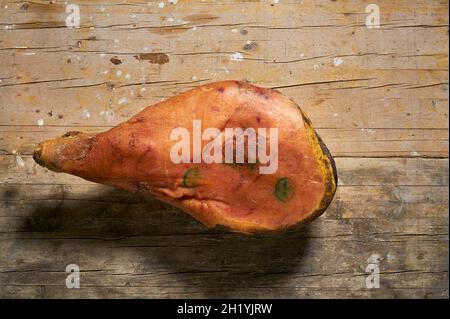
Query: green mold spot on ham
<point x="190" y="177"/>
<point x="283" y="190"/>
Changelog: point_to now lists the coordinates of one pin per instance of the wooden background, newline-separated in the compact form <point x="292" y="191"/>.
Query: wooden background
<point x="378" y="97"/>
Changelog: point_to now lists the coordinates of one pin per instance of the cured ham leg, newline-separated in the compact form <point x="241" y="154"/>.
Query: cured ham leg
<point x="287" y="179"/>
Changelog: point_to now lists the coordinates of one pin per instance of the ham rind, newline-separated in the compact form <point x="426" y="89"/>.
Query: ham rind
<point x="135" y="156"/>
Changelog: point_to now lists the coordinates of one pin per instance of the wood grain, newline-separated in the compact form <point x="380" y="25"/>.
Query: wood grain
<point x="383" y="112"/>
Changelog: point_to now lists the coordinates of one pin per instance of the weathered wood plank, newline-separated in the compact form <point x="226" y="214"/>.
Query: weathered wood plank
<point x="230" y="263"/>
<point x="392" y="82"/>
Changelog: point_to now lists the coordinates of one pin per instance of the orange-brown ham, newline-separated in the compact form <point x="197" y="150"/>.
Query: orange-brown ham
<point x="135" y="156"/>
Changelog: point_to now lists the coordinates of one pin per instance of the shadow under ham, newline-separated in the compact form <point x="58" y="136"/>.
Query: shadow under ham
<point x="163" y="246"/>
